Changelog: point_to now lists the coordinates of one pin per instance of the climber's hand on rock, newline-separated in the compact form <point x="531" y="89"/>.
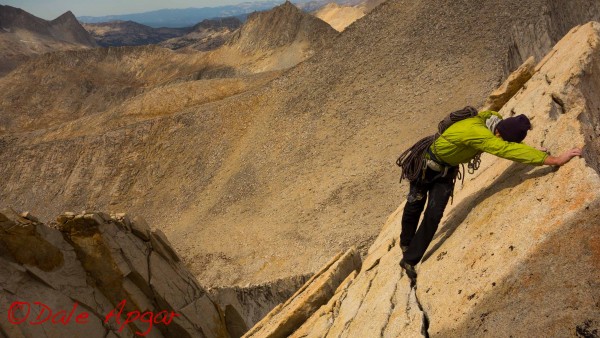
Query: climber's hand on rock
<point x="563" y="158"/>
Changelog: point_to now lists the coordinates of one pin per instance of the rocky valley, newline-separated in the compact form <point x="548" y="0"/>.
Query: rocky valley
<point x="260" y="172"/>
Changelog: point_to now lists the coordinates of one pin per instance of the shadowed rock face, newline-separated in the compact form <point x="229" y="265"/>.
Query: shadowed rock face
<point x="65" y="28"/>
<point x="129" y="33"/>
<point x="206" y="35"/>
<point x="245" y="306"/>
<point x="102" y="263"/>
<point x="23" y="35"/>
<point x="518" y="252"/>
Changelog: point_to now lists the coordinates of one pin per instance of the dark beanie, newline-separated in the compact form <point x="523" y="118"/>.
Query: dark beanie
<point x="514" y="129"/>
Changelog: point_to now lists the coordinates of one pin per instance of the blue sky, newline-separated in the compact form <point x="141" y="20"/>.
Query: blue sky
<point x="50" y="9"/>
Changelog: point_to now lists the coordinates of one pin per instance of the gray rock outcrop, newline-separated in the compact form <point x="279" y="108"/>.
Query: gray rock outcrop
<point x="95" y="275"/>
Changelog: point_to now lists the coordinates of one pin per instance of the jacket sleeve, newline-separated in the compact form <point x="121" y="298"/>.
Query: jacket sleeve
<point x="517" y="152"/>
<point x="486" y="114"/>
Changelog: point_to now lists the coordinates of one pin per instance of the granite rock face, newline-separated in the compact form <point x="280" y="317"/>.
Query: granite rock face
<point x="97" y="275"/>
<point x="517" y="253"/>
<point x="510" y="86"/>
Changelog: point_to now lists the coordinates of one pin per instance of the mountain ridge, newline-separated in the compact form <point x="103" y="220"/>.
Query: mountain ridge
<point x="284" y="25"/>
<point x="130" y="33"/>
<point x="177" y="18"/>
<point x="319" y="141"/>
<point x="25" y="35"/>
<point x="65" y="27"/>
<point x="498" y="265"/>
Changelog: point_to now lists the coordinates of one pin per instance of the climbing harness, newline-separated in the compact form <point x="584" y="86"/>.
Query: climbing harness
<point x="413" y="161"/>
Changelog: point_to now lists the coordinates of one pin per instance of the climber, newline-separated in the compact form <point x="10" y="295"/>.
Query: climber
<point x="459" y="143"/>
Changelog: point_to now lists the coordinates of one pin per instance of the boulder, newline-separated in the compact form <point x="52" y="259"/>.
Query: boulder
<point x="510" y="86"/>
<point x="94" y="265"/>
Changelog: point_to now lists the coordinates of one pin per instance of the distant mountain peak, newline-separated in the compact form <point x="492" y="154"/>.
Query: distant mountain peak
<point x="64" y="28"/>
<point x="279" y="27"/>
<point x="66" y="17"/>
<point x="26" y="35"/>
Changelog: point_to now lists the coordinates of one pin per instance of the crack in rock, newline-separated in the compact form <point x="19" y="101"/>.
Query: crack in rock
<point x="362" y="300"/>
<point x="392" y="307"/>
<point x="335" y="310"/>
<point x="425" y="327"/>
<point x="88" y="307"/>
<point x="413" y="290"/>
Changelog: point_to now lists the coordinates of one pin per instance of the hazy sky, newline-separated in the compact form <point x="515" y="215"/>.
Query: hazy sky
<point x="50" y="9"/>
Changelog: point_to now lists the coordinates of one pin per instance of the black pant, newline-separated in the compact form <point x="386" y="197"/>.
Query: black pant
<point x="436" y="191"/>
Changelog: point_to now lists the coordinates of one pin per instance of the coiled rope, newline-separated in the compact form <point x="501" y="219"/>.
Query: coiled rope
<point x="412" y="161"/>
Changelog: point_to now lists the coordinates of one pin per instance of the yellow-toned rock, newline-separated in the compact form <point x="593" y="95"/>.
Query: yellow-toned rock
<point x="510" y="86"/>
<point x="517" y="253"/>
<point x="287" y="317"/>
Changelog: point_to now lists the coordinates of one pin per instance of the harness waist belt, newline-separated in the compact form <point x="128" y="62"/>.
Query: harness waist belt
<point x="433" y="165"/>
<point x="437" y="162"/>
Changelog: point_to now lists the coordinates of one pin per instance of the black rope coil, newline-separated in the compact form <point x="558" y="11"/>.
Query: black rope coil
<point x="412" y="160"/>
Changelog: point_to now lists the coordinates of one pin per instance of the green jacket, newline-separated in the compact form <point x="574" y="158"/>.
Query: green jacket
<point x="464" y="139"/>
